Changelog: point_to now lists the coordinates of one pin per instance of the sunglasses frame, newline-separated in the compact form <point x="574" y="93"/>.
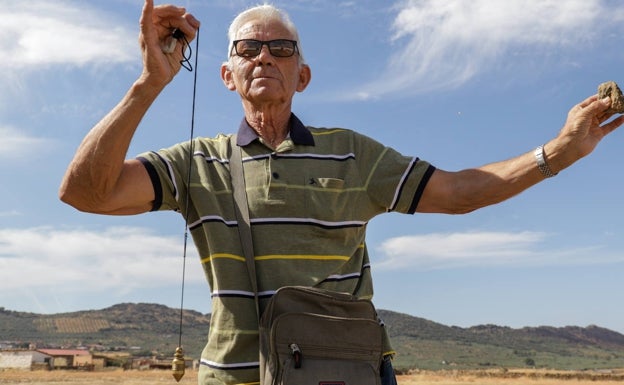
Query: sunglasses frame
<point x="263" y="43"/>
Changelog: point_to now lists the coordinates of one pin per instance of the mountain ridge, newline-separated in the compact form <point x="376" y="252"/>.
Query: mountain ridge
<point x="153" y="329"/>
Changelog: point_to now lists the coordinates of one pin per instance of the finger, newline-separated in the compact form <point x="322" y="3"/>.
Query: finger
<point x="168" y="11"/>
<point x="145" y="22"/>
<point x="597" y="107"/>
<point x="612" y="125"/>
<point x="588" y="101"/>
<point x="190" y="26"/>
<point x="146" y="14"/>
<point x="185" y="23"/>
<point x="192" y="20"/>
<point x="167" y="18"/>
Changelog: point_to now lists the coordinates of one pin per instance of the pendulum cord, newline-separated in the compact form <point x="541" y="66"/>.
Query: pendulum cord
<point x="178" y="365"/>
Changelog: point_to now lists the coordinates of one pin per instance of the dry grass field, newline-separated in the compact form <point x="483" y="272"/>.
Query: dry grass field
<point x="151" y="377"/>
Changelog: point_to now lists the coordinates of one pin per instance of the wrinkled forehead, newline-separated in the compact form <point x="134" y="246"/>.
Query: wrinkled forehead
<point x="263" y="30"/>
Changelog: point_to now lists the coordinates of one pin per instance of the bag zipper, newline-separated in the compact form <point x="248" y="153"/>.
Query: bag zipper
<point x="296" y="354"/>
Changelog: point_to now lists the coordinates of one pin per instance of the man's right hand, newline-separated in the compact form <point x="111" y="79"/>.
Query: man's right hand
<point x="157" y="25"/>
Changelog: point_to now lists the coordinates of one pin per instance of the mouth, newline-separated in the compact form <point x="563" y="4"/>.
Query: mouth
<point x="263" y="75"/>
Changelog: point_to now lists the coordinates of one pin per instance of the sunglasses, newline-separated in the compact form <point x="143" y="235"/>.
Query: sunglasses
<point x="252" y="47"/>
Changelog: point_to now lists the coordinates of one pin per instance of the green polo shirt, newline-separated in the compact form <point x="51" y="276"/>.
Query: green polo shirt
<point x="310" y="201"/>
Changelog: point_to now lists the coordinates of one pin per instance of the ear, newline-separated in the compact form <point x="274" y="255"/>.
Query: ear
<point x="226" y="76"/>
<point x="305" y="75"/>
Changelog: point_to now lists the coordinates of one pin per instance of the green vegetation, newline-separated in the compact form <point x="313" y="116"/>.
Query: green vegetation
<point x="428" y="345"/>
<point x="149" y="329"/>
<point x="137" y="328"/>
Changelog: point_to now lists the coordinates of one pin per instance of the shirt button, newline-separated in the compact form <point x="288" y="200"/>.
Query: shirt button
<point x="276" y="175"/>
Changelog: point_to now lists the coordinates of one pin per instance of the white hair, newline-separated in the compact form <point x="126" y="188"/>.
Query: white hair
<point x="265" y="12"/>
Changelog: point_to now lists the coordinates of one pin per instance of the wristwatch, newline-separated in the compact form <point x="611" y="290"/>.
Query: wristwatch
<point x="541" y="162"/>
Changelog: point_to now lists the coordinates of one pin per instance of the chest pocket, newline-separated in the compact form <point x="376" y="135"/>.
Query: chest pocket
<point x="327" y="198"/>
<point x="327" y="183"/>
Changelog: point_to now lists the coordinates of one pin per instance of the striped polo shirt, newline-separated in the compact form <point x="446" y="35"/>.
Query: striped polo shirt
<point x="310" y="201"/>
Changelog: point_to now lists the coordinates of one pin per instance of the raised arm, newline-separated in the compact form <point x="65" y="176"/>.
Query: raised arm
<point x="467" y="190"/>
<point x="99" y="179"/>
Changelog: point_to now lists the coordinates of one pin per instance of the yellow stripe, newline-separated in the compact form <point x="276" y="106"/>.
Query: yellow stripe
<point x="327" y="132"/>
<point x="222" y="255"/>
<point x="374" y="167"/>
<point x="288" y="256"/>
<point x="310" y="257"/>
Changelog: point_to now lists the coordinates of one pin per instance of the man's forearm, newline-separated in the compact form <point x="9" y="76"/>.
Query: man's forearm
<point x="471" y="189"/>
<point x="94" y="171"/>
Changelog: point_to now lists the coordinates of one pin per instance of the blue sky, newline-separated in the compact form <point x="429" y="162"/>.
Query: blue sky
<point x="458" y="83"/>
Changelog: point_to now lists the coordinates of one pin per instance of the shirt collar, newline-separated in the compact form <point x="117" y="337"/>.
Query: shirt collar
<point x="299" y="134"/>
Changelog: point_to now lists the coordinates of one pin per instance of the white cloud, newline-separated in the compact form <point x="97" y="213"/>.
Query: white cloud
<point x="81" y="261"/>
<point x="445" y="43"/>
<point x="19" y="145"/>
<point x="38" y="33"/>
<point x="481" y="249"/>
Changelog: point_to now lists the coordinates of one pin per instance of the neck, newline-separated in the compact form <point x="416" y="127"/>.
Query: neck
<point x="270" y="124"/>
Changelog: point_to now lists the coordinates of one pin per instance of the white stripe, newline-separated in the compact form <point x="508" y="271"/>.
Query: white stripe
<point x="171" y="175"/>
<point x="229" y="366"/>
<point x="211" y="158"/>
<point x="257" y="157"/>
<point x="310" y="220"/>
<point x="212" y="218"/>
<point x="266" y="293"/>
<point x="230" y="292"/>
<point x="317" y="156"/>
<point x="278" y="220"/>
<point x="400" y="185"/>
<point x="338" y="276"/>
<point x="304" y="155"/>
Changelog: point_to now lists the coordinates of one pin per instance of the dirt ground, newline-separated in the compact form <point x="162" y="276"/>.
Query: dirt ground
<point x="512" y="377"/>
<point x="150" y="377"/>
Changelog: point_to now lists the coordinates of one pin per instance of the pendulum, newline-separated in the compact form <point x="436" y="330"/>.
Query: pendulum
<point x="178" y="364"/>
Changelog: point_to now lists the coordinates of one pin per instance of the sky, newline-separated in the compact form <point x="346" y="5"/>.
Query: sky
<point x="457" y="83"/>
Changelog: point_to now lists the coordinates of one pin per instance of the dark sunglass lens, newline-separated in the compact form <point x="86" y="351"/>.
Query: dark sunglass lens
<point x="248" y="48"/>
<point x="282" y="48"/>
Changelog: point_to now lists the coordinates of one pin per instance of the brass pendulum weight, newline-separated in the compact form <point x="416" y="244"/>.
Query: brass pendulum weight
<point x="178" y="365"/>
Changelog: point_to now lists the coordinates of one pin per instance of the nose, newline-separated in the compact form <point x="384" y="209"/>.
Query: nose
<point x="265" y="56"/>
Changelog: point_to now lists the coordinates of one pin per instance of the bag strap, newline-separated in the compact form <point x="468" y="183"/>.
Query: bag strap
<point x="241" y="209"/>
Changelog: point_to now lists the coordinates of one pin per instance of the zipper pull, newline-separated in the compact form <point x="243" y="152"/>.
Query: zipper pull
<point x="296" y="353"/>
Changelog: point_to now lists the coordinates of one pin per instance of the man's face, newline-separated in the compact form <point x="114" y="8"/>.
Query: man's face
<point x="265" y="78"/>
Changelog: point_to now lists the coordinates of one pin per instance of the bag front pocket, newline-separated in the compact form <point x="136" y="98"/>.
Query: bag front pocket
<point x="316" y="349"/>
<point x="318" y="371"/>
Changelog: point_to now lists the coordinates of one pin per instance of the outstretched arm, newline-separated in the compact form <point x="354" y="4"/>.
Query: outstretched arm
<point x="467" y="190"/>
<point x="99" y="179"/>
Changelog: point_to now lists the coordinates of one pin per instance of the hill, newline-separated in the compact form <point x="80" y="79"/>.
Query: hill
<point x="147" y="329"/>
<point x="142" y="328"/>
<point x="429" y="345"/>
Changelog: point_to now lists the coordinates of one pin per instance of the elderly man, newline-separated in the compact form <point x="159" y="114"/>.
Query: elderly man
<point x="311" y="191"/>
